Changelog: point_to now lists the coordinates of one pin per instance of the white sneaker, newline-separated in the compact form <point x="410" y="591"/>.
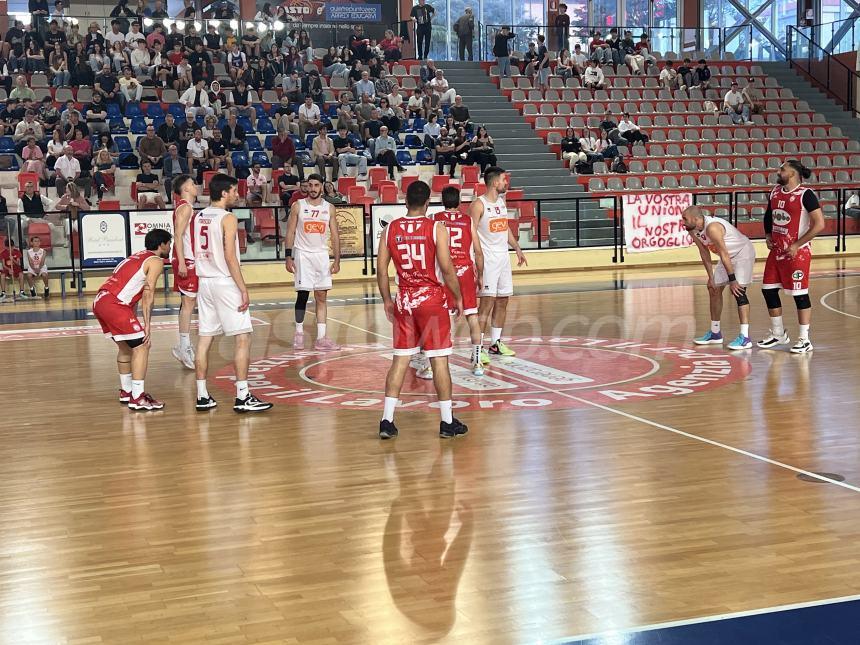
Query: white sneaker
<point x="801" y="346"/>
<point x="183" y="356"/>
<point x="425" y="373"/>
<point x="478" y="369"/>
<point x="772" y="340"/>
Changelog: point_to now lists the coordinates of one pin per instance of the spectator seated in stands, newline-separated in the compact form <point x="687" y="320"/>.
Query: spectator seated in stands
<point x="460" y="113"/>
<point x="130" y="87"/>
<point x="385" y="151"/>
<point x="391" y="46"/>
<point x="148" y="188"/>
<point x="107" y="85"/>
<point x="34" y="160"/>
<point x="571" y="148"/>
<point x="196" y="100"/>
<point x="643" y="49"/>
<point x="72" y="199"/>
<point x="32" y="202"/>
<point x="333" y="65"/>
<point x="175" y="164"/>
<point x="613" y="42"/>
<point x="152" y="148"/>
<point x="22" y="92"/>
<point x="852" y="206"/>
<point x="301" y="193"/>
<point x="685" y="74"/>
<point x="635" y="61"/>
<point x="593" y="77"/>
<point x="364" y="87"/>
<point x="753" y="97"/>
<point x="234" y="134"/>
<point x="288" y="183"/>
<point x="309" y="117"/>
<point x="219" y="155"/>
<point x="285" y="118"/>
<point x="26" y="129"/>
<point x="669" y="77"/>
<point x="284" y="151"/>
<point x="291" y="85"/>
<point x="427" y="72"/>
<point x="312" y="86"/>
<point x="58" y="65"/>
<point x="331" y="195"/>
<point x="104" y="172"/>
<point x="446" y="153"/>
<point x="591" y="146"/>
<point x="415" y="105"/>
<point x="735" y="107"/>
<point x="702" y="77"/>
<point x="258" y="187"/>
<point x="483" y="149"/>
<point x="97" y="116"/>
<point x="630" y="131"/>
<point x="239" y="101"/>
<point x="347" y="154"/>
<point x="358" y="44"/>
<point x="566" y="66"/>
<point x="600" y="49"/>
<point x="323" y="153"/>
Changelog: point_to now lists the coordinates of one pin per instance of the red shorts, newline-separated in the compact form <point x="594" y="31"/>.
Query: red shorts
<point x="187" y="286"/>
<point x="792" y="274"/>
<point x="15" y="271"/>
<point x="421" y="321"/>
<point x="119" y="321"/>
<point x="468" y="289"/>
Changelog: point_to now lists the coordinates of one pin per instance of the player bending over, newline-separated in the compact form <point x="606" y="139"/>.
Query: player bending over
<point x="418" y="248"/>
<point x="133" y="280"/>
<point x="735" y="268"/>
<point x="792" y="220"/>
<point x="468" y="260"/>
<point x="184" y="275"/>
<point x="310" y="223"/>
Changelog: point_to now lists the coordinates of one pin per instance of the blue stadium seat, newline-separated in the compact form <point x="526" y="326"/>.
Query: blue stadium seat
<point x="240" y="160"/>
<point x="7" y="144"/>
<point x="253" y="143"/>
<point x="413" y="141"/>
<point x="138" y="125"/>
<point x="14" y="163"/>
<point x="404" y="158"/>
<point x="113" y="111"/>
<point x="154" y="110"/>
<point x="424" y="157"/>
<point x="261" y="158"/>
<point x="117" y="126"/>
<point x="418" y="124"/>
<point x="158" y="121"/>
<point x="265" y="126"/>
<point x="132" y="110"/>
<point x="245" y="122"/>
<point x="127" y="161"/>
<point x="305" y="158"/>
<point x="309" y="140"/>
<point x="332" y="111"/>
<point x="261" y="111"/>
<point x="177" y="110"/>
<point x="122" y="144"/>
<point x="221" y="123"/>
<point x="269" y="139"/>
<point x="299" y="145"/>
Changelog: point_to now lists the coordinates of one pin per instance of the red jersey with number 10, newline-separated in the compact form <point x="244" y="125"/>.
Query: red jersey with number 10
<point x="790" y="211"/>
<point x="411" y="241"/>
<point x="459" y="228"/>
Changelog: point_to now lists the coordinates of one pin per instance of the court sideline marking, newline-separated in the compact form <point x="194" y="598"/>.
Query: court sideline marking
<point x="655" y="424"/>
<point x="834" y="309"/>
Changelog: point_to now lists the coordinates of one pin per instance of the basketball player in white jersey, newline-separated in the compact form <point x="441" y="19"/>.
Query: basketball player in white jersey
<point x="222" y="297"/>
<point x="184" y="276"/>
<point x="490" y="214"/>
<point x="735" y="268"/>
<point x="310" y="223"/>
<point x="37" y="266"/>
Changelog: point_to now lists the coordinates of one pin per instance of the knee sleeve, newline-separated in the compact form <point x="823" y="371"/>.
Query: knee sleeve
<point x="134" y="342"/>
<point x="742" y="299"/>
<point x="771" y="298"/>
<point x="301" y="304"/>
<point x="802" y="302"/>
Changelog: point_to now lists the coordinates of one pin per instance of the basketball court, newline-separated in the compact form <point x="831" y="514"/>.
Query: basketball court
<point x="616" y="478"/>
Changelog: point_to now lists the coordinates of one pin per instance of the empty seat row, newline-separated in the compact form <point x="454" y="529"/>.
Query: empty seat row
<point x="706" y="181"/>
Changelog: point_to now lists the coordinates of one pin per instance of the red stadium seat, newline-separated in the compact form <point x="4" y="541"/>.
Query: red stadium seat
<point x="276" y="174"/>
<point x="109" y="205"/>
<point x="439" y="182"/>
<point x="515" y="194"/>
<point x="480" y="189"/>
<point x="388" y="193"/>
<point x="243" y="188"/>
<point x="469" y="174"/>
<point x="42" y="230"/>
<point x="207" y="177"/>
<point x="406" y="180"/>
<point x="134" y="191"/>
<point x="377" y="174"/>
<point x="355" y="194"/>
<point x="24" y="177"/>
<point x="243" y="240"/>
<point x="266" y="224"/>
<point x="344" y="184"/>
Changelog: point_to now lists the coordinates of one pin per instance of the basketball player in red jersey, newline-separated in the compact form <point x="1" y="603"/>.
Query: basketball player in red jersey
<point x="468" y="262"/>
<point x="792" y="220"/>
<point x="490" y="214"/>
<point x="418" y="248"/>
<point x="133" y="280"/>
<point x="184" y="276"/>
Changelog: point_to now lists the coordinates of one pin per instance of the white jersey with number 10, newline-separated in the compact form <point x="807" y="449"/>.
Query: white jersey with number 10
<point x="208" y="240"/>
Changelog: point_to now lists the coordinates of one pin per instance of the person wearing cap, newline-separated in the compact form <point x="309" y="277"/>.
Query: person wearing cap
<point x="752" y="97"/>
<point x="501" y="50"/>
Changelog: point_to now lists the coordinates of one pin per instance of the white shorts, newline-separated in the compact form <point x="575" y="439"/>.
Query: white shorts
<point x="42" y="271"/>
<point x="498" y="279"/>
<point x="313" y="270"/>
<point x="218" y="301"/>
<point x="743" y="264"/>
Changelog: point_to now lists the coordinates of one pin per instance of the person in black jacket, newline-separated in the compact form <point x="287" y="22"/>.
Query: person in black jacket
<point x="422" y="17"/>
<point x="501" y="51"/>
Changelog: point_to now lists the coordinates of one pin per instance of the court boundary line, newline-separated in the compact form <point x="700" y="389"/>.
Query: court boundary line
<point x="660" y="426"/>
<point x="834" y="309"/>
<point x="711" y="618"/>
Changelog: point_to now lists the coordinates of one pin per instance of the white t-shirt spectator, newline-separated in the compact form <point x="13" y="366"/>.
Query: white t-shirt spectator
<point x="432" y="129"/>
<point x="733" y="99"/>
<point x="133" y="38"/>
<point x="627" y="126"/>
<point x="68" y="168"/>
<point x="415" y="102"/>
<point x="589" y="144"/>
<point x="311" y="113"/>
<point x="113" y="38"/>
<point x="439" y="85"/>
<point x="197" y="149"/>
<point x="593" y="75"/>
<point x="668" y="76"/>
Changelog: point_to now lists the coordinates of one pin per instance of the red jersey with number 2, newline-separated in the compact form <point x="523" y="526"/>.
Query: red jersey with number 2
<point x="459" y="228"/>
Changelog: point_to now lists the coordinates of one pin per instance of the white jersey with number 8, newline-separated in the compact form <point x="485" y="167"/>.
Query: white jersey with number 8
<point x="209" y="244"/>
<point x="493" y="226"/>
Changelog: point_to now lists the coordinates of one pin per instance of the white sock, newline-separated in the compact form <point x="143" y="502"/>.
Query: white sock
<point x="476" y="354"/>
<point x="715" y="326"/>
<point x="320" y="330"/>
<point x="482" y="339"/>
<point x="202" y="390"/>
<point x="745" y="330"/>
<point x="125" y="382"/>
<point x="445" y="411"/>
<point x="136" y="389"/>
<point x="776" y="325"/>
<point x="300" y="327"/>
<point x="242" y="389"/>
<point x="803" y="332"/>
<point x="495" y="334"/>
<point x="184" y="341"/>
<point x="388" y="408"/>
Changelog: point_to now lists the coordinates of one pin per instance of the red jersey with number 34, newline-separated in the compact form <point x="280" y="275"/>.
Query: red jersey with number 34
<point x="459" y="228"/>
<point x="411" y="241"/>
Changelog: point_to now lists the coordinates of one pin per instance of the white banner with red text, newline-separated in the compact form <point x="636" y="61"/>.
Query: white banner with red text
<point x="652" y="221"/>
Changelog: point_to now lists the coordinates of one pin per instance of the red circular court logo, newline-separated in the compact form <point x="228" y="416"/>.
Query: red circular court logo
<point x="557" y="372"/>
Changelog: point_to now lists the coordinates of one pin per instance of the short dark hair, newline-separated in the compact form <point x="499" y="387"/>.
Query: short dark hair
<point x="220" y="184"/>
<point x="179" y="182"/>
<point x="315" y="177"/>
<point x="491" y="173"/>
<point x="417" y="194"/>
<point x="450" y="197"/>
<point x="156" y="237"/>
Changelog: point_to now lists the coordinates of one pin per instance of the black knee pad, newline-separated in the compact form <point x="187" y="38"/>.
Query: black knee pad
<point x="771" y="298"/>
<point x="134" y="342"/>
<point x="802" y="302"/>
<point x="742" y="299"/>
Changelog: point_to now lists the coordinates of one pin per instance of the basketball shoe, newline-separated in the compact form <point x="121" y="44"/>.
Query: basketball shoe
<point x="124" y="397"/>
<point x="206" y="403"/>
<point x="710" y="338"/>
<point x="145" y="402"/>
<point x="326" y="345"/>
<point x="741" y="342"/>
<point x="421" y="364"/>
<point x="299" y="340"/>
<point x="185" y="357"/>
<point x="251" y="404"/>
<point x="453" y="429"/>
<point x="500" y="349"/>
<point x="801" y="346"/>
<point x="387" y="430"/>
<point x="772" y="340"/>
<point x="485" y="357"/>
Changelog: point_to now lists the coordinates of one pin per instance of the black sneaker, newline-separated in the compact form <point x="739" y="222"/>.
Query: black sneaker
<point x="206" y="403"/>
<point x="453" y="429"/>
<point x="251" y="404"/>
<point x="32" y="293"/>
<point x="47" y="293"/>
<point x="387" y="430"/>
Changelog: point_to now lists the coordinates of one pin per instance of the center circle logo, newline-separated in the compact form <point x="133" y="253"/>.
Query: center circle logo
<point x="547" y="372"/>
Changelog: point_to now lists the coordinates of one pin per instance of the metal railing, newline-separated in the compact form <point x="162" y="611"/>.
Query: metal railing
<point x="836" y="37"/>
<point x="823" y="69"/>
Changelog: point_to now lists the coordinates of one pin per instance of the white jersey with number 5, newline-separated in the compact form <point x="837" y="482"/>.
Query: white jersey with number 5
<point x="312" y="226"/>
<point x="493" y="226"/>
<point x="208" y="241"/>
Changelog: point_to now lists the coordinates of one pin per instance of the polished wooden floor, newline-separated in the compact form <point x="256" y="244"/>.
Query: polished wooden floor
<point x="544" y="523"/>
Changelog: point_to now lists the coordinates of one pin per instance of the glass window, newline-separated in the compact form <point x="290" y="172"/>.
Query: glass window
<point x="605" y="13"/>
<point x="439" y="33"/>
